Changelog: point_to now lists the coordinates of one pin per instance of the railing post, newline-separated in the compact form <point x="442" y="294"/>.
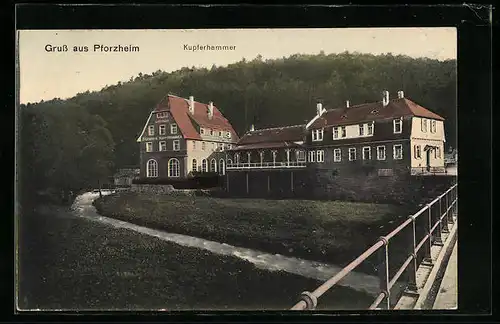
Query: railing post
<point x="438" y="240"/>
<point x="445" y="221"/>
<point x="411" y="287"/>
<point x="455" y="202"/>
<point x="428" y="242"/>
<point x="383" y="271"/>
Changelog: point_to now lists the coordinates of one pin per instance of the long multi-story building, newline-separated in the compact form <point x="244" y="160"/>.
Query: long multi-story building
<point x="342" y="151"/>
<point x="182" y="136"/>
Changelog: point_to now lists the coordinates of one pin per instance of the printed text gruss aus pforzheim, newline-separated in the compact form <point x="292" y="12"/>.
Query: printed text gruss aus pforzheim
<point x="95" y="48"/>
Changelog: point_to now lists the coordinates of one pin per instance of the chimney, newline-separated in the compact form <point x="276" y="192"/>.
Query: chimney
<point x="319" y="108"/>
<point x="401" y="94"/>
<point x="385" y="98"/>
<point x="191" y="104"/>
<point x="252" y="128"/>
<point x="347" y="103"/>
<point x="210" y="110"/>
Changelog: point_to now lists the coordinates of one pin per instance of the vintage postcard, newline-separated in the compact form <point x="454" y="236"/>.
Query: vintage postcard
<point x="306" y="169"/>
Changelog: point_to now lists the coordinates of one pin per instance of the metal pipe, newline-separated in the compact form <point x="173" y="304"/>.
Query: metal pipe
<point x="398" y="229"/>
<point x="420" y="211"/>
<point x="412" y="269"/>
<point x="378" y="300"/>
<point x="341" y="274"/>
<point x="309" y="300"/>
<point x="400" y="271"/>
<point x="383" y="270"/>
<point x="422" y="242"/>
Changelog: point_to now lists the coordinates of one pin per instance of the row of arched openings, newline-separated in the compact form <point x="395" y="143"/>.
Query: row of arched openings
<point x="206" y="167"/>
<point x="173" y="167"/>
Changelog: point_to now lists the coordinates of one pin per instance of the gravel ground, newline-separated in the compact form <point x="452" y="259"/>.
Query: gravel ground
<point x="72" y="263"/>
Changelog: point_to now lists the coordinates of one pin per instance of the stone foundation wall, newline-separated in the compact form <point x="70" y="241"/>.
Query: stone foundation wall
<point x="363" y="184"/>
<point x="152" y="188"/>
<point x="156" y="189"/>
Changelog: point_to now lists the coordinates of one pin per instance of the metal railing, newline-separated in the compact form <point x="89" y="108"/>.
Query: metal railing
<point x="436" y="223"/>
<point x="265" y="165"/>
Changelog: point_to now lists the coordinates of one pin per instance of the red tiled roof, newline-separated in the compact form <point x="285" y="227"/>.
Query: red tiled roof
<point x="373" y="111"/>
<point x="179" y="108"/>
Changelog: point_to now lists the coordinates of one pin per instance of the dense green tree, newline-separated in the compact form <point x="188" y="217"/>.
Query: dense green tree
<point x="63" y="148"/>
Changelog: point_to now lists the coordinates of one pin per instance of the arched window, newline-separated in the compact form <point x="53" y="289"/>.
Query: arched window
<point x="174" y="168"/>
<point x="204" y="165"/>
<point x="194" y="165"/>
<point x="151" y="169"/>
<point x="229" y="161"/>
<point x="213" y="165"/>
<point x="221" y="167"/>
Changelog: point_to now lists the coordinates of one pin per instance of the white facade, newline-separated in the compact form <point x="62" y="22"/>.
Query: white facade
<point x="426" y="132"/>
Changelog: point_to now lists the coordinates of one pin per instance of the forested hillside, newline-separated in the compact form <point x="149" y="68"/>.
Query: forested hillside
<point x="82" y="139"/>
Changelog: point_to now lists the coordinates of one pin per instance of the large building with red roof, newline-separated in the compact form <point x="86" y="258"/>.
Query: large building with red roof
<point x="341" y="150"/>
<point x="182" y="136"/>
<point x="362" y="152"/>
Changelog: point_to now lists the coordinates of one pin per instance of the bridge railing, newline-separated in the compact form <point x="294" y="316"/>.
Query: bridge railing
<point x="436" y="223"/>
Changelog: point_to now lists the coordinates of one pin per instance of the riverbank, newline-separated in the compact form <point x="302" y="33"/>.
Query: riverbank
<point x="328" y="231"/>
<point x="72" y="263"/>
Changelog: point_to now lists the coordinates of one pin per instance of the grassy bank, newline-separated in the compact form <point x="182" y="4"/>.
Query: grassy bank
<point x="328" y="231"/>
<point x="72" y="263"/>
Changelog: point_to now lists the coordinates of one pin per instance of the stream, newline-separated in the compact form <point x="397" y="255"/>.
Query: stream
<point x="82" y="207"/>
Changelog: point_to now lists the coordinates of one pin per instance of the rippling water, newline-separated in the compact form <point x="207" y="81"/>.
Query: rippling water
<point x="83" y="207"/>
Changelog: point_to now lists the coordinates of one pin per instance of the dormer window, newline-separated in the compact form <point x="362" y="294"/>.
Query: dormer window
<point x="228" y="134"/>
<point x="317" y="135"/>
<point x="397" y="125"/>
<point x="343" y="131"/>
<point x="151" y="130"/>
<point x="211" y="132"/>
<point x="202" y="131"/>
<point x="361" y="130"/>
<point x="220" y="133"/>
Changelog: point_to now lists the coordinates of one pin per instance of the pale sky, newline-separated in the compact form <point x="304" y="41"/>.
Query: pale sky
<point x="47" y="75"/>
